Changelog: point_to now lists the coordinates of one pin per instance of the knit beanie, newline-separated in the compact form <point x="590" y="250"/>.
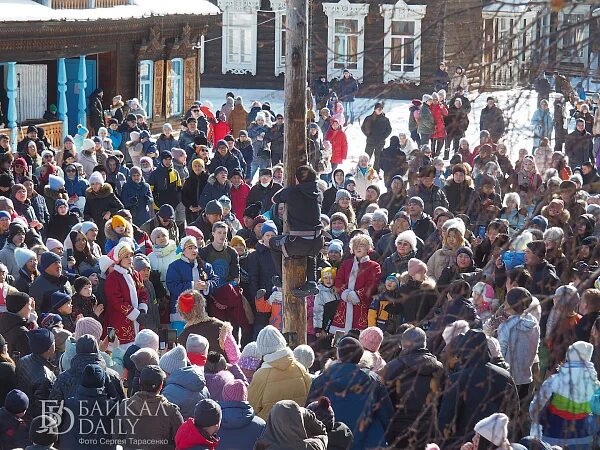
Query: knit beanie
<point x="268" y="226"/>
<point x="466" y="250"/>
<point x="416" y="266"/>
<point x="58" y="299"/>
<point x="493" y="428"/>
<point x="40" y="340"/>
<point x="381" y="215"/>
<point x="141" y="262"/>
<point x="207" y="413"/>
<point x="323" y="411"/>
<point x="87" y="226"/>
<point x="166" y="212"/>
<point x="104" y="262"/>
<point x="236" y="391"/>
<point x="49" y="320"/>
<point x="213" y="207"/>
<point x="417" y="201"/>
<point x="342" y="193"/>
<point x="117" y="221"/>
<point x="16" y="402"/>
<point x="188" y="241"/>
<point x="336" y="246"/>
<point x="567" y="297"/>
<point x="120" y="251"/>
<point x="80" y="283"/>
<point x="540" y="221"/>
<point x="580" y="351"/>
<point x="47" y="259"/>
<point x="147" y="339"/>
<point x="270" y="340"/>
<point x="55" y="183"/>
<point x="52" y="244"/>
<point x="371" y="338"/>
<point x="174" y="359"/>
<point x="519" y="299"/>
<point x="144" y="357"/>
<point x="349" y="350"/>
<point x="225" y="202"/>
<point x="410" y="237"/>
<point x="305" y="355"/>
<point x="196" y="343"/>
<point x="43" y="431"/>
<point x="93" y="376"/>
<point x="23" y="255"/>
<point x="151" y="377"/>
<point x="237" y="240"/>
<point x="194" y="232"/>
<point x="15" y="301"/>
<point x="538" y="248"/>
<point x="88" y="325"/>
<point x="339" y="216"/>
<point x="250" y="358"/>
<point x="158" y="231"/>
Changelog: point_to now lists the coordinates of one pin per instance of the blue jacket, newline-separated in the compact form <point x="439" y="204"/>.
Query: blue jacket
<point x="116" y="137"/>
<point x="179" y="279"/>
<point x="185" y="387"/>
<point x="240" y="428"/>
<point x="76" y="186"/>
<point x="358" y="399"/>
<point x="138" y="198"/>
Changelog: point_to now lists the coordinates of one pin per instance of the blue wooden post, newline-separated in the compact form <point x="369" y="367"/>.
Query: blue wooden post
<point x="82" y="82"/>
<point x="62" y="97"/>
<point x="11" y="113"/>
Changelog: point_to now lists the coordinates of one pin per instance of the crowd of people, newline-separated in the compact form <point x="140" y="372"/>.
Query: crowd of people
<point x="452" y="301"/>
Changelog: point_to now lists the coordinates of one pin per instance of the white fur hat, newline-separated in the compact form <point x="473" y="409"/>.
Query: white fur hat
<point x="410" y="237"/>
<point x="456" y="224"/>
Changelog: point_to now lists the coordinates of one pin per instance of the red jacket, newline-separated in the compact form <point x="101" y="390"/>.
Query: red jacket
<point x="238" y="200"/>
<point x="118" y="302"/>
<point x="366" y="284"/>
<point x="439" y="111"/>
<point x="339" y="145"/>
<point x="189" y="436"/>
<point x="221" y="129"/>
<point x="230" y="297"/>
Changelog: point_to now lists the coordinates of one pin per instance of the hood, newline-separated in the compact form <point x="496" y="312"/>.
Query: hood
<point x="236" y="415"/>
<point x="189" y="436"/>
<point x="213" y="180"/>
<point x="190" y="378"/>
<point x="113" y="236"/>
<point x="472" y="349"/>
<point x="104" y="191"/>
<point x="116" y="160"/>
<point x="280" y="360"/>
<point x="342" y="376"/>
<point x="309" y="190"/>
<point x="285" y="427"/>
<point x="523" y="323"/>
<point x="9" y="321"/>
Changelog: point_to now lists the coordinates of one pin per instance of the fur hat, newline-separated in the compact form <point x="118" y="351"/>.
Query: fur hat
<point x="410" y="237"/>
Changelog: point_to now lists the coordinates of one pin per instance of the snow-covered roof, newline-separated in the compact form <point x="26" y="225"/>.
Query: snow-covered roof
<point x="30" y="11"/>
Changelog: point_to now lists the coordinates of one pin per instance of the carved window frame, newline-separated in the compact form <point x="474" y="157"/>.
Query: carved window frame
<point x="279" y="9"/>
<point x="232" y="10"/>
<point x="147" y="105"/>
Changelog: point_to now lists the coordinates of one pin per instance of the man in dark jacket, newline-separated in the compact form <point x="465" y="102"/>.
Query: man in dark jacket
<point x="96" y="111"/>
<point x="458" y="191"/>
<point x="420" y="223"/>
<point x="560" y="131"/>
<point x="542" y="87"/>
<point x="13" y="429"/>
<point x="223" y="158"/>
<point x="376" y="128"/>
<point x="412" y="380"/>
<point x="578" y="145"/>
<point x="186" y="137"/>
<point x="264" y="190"/>
<point x="14" y="323"/>
<point x="347" y="89"/>
<point x="477" y="390"/>
<point x="460" y="93"/>
<point x="275" y="137"/>
<point x="431" y="195"/>
<point x="441" y="78"/>
<point x="35" y="373"/>
<point x="165" y="181"/>
<point x="492" y="120"/>
<point x="305" y="237"/>
<point x="52" y="279"/>
<point x="321" y="91"/>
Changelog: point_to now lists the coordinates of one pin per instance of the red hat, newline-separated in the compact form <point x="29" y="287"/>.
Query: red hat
<point x="194" y="231"/>
<point x="417" y="102"/>
<point x="186" y="302"/>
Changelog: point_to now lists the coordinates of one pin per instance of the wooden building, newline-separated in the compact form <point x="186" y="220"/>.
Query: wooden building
<point x="59" y="51"/>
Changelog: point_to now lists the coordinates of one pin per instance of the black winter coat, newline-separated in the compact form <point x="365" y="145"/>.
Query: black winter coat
<point x="8" y="380"/>
<point x="492" y="120"/>
<point x="192" y="189"/>
<point x="303" y="208"/>
<point x="376" y="128"/>
<point x="96" y="204"/>
<point x="393" y="161"/>
<point x="260" y="271"/>
<point x="423" y="227"/>
<point x="264" y="195"/>
<point x="35" y="377"/>
<point x="432" y="198"/>
<point x="457" y="122"/>
<point x="578" y="147"/>
<point x="166" y="186"/>
<point x="393" y="203"/>
<point x="96" y="110"/>
<point x="275" y="137"/>
<point x="14" y="431"/>
<point x="14" y="329"/>
<point x="44" y="286"/>
<point x="229" y="161"/>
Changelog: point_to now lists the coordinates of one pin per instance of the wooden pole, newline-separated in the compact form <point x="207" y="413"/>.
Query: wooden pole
<point x="294" y="154"/>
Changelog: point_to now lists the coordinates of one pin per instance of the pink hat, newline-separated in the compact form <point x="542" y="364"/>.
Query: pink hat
<point x="88" y="325"/>
<point x="416" y="266"/>
<point x="194" y="231"/>
<point x="371" y="338"/>
<point x="236" y="391"/>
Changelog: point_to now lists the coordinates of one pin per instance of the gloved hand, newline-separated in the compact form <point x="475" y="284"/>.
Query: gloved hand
<point x="353" y="298"/>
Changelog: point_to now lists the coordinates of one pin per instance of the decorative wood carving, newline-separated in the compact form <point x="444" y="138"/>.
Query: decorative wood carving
<point x="183" y="46"/>
<point x="169" y="78"/>
<point x="153" y="46"/>
<point x="189" y="80"/>
<point x="159" y="88"/>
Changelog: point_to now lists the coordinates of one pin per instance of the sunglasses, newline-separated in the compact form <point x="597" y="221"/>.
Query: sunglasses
<point x="195" y="110"/>
<point x="71" y="170"/>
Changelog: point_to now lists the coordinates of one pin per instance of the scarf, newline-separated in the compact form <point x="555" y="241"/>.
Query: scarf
<point x="132" y="292"/>
<point x="351" y="283"/>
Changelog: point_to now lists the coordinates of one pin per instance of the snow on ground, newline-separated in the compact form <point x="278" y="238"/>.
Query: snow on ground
<point x="518" y="106"/>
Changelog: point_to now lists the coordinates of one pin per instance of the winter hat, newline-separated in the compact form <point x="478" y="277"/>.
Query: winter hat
<point x="323" y="411"/>
<point x="88" y="325"/>
<point x="141" y="262"/>
<point x="40" y="340"/>
<point x="158" y="231"/>
<point x="538" y="248"/>
<point x="147" y="339"/>
<point x="416" y="200"/>
<point x="305" y="355"/>
<point x="410" y="237"/>
<point x="117" y="221"/>
<point x="339" y="216"/>
<point x="371" y="338"/>
<point x="580" y="351"/>
<point x="426" y="97"/>
<point x="225" y="202"/>
<point x="554" y="234"/>
<point x="87" y="226"/>
<point x="104" y="262"/>
<point x="197" y="349"/>
<point x="567" y="297"/>
<point x="220" y="169"/>
<point x="16" y="228"/>
<point x="348" y="181"/>
<point x="120" y="251"/>
<point x="484" y="289"/>
<point x="381" y="215"/>
<point x="416" y="266"/>
<point x="166" y="154"/>
<point x="178" y="153"/>
<point x="166" y="211"/>
<point x="250" y="358"/>
<point x="269" y="225"/>
<point x="349" y="350"/>
<point x="145" y="357"/>
<point x="215" y="363"/>
<point x="16" y="300"/>
<point x="493" y="428"/>
<point x="80" y="283"/>
<point x="336" y="246"/>
<point x="151" y="378"/>
<point x="213" y="207"/>
<point x="23" y="255"/>
<point x="43" y="431"/>
<point x="60" y="202"/>
<point x="237" y="240"/>
<point x="519" y="299"/>
<point x="188" y="241"/>
<point x="207" y="413"/>
<point x="96" y="177"/>
<point x="52" y="243"/>
<point x="270" y="340"/>
<point x="49" y="320"/>
<point x="5" y="214"/>
<point x="236" y="391"/>
<point x="93" y="376"/>
<point x="540" y="221"/>
<point x="557" y="203"/>
<point x="16" y="402"/>
<point x="194" y="232"/>
<point x="58" y="299"/>
<point x="55" y="183"/>
<point x="466" y="250"/>
<point x="47" y="259"/>
<point x="253" y="210"/>
<point x="174" y="359"/>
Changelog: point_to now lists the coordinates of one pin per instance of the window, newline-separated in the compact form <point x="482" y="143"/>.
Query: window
<point x="403" y="46"/>
<point x="283" y="42"/>
<point x="239" y="36"/>
<point x="176" y="86"/>
<point x="345" y="44"/>
<point x="146" y="85"/>
<point x="402" y="41"/>
<point x="280" y="34"/>
<point x="573" y="35"/>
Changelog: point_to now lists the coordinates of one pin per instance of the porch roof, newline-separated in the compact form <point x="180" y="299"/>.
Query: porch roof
<point x="511" y="7"/>
<point x="31" y="11"/>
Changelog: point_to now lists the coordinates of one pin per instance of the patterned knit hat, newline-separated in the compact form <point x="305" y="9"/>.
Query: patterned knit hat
<point x="174" y="359"/>
<point x="250" y="358"/>
<point x="371" y="338"/>
<point x="236" y="391"/>
<point x="88" y="325"/>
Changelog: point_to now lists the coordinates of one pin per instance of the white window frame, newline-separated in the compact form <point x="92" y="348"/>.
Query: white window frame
<point x="231" y="9"/>
<point x="575" y="10"/>
<point x="403" y="13"/>
<point x="344" y="10"/>
<point x="177" y="78"/>
<point x="150" y="86"/>
<point x="279" y="9"/>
